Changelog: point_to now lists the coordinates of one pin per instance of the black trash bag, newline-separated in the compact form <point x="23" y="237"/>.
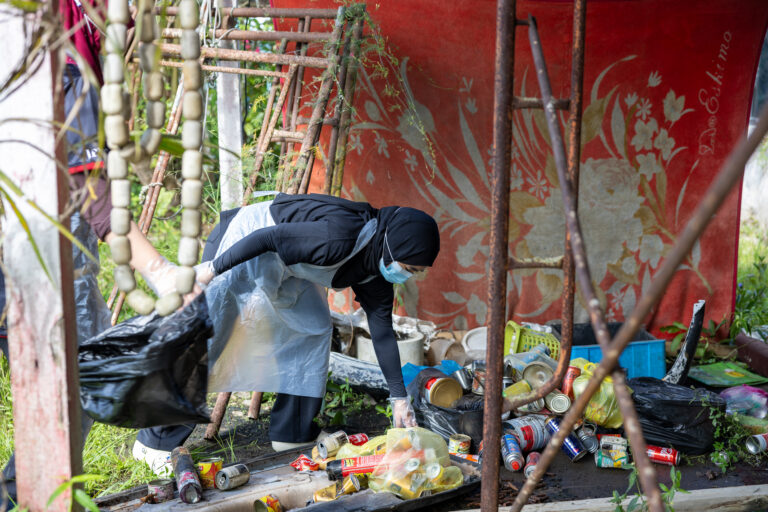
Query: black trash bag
<point x="442" y="420"/>
<point x="149" y="370"/>
<point x="676" y="416"/>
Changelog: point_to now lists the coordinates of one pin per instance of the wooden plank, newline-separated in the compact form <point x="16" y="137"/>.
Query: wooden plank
<point x="724" y="499"/>
<point x="41" y="328"/>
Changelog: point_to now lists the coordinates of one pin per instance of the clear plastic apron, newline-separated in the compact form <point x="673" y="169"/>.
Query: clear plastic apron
<point x="272" y="326"/>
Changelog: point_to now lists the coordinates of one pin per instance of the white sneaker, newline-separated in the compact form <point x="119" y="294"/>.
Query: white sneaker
<point x="280" y="446"/>
<point x="158" y="460"/>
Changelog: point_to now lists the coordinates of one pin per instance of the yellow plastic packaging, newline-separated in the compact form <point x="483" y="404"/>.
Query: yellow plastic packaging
<point x="603" y="408"/>
<point x="416" y="461"/>
<point x="349" y="450"/>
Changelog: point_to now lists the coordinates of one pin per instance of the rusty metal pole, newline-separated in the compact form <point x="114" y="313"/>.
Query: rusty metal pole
<point x="41" y="313"/>
<point x="254" y="409"/>
<point x="729" y="175"/>
<point x="499" y="249"/>
<point x="217" y="415"/>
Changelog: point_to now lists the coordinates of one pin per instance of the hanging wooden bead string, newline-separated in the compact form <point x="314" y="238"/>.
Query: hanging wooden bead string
<point x="114" y="103"/>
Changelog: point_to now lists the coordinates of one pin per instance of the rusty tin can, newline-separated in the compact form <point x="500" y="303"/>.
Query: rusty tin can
<point x="162" y="489"/>
<point x="207" y="470"/>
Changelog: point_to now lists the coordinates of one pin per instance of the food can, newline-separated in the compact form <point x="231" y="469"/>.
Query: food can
<point x="459" y="443"/>
<point x="587" y="436"/>
<point x="232" y="477"/>
<point x="530" y="463"/>
<point x="757" y="443"/>
<point x="570" y="375"/>
<point x="571" y="444"/>
<point x="357" y="439"/>
<point x="325" y="494"/>
<point x="349" y="485"/>
<point x="434" y="472"/>
<point x="557" y="402"/>
<point x="268" y="503"/>
<point x="162" y="489"/>
<point x="511" y="453"/>
<point x="443" y="391"/>
<point x="478" y="377"/>
<point x="530" y="432"/>
<point x="207" y="470"/>
<point x="339" y="468"/>
<point x="537" y="374"/>
<point x="532" y="407"/>
<point x="331" y="444"/>
<point x="660" y="455"/>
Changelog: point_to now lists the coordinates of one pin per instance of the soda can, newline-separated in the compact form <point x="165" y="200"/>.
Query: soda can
<point x="349" y="485"/>
<point x="570" y="375"/>
<point x="530" y="463"/>
<point x="660" y="455"/>
<point x="411" y="465"/>
<point x="330" y="444"/>
<point x="511" y="453"/>
<point x="571" y="444"/>
<point x="557" y="402"/>
<point x="587" y="436"/>
<point x="530" y="432"/>
<point x="357" y="439"/>
<point x="162" y="490"/>
<point x="325" y="494"/>
<point x="518" y="388"/>
<point x="459" y="443"/>
<point x="232" y="477"/>
<point x="757" y="443"/>
<point x="304" y="463"/>
<point x="268" y="503"/>
<point x="434" y="472"/>
<point x="207" y="470"/>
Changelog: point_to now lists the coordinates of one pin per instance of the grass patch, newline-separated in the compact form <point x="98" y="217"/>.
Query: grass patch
<point x="751" y="309"/>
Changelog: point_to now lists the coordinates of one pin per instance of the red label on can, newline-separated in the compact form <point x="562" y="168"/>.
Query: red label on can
<point x="358" y="439"/>
<point x="304" y="463"/>
<point x="360" y="465"/>
<point x="570" y="376"/>
<point x="660" y="455"/>
<point x="431" y="382"/>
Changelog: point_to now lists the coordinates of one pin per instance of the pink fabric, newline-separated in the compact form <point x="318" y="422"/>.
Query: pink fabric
<point x="86" y="37"/>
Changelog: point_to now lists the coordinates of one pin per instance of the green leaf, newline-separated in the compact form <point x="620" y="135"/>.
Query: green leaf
<point x="664" y="487"/>
<point x="85" y="501"/>
<point x="87" y="477"/>
<point x="60" y="489"/>
<point x="25" y="226"/>
<point x="633" y="504"/>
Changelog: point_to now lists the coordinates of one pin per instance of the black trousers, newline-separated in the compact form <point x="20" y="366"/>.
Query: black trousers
<point x="291" y="421"/>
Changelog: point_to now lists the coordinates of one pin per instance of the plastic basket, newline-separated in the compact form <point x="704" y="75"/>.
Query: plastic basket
<point x="520" y="339"/>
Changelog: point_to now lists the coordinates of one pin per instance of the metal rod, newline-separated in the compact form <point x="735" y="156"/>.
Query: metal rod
<point x="302" y="171"/>
<point x="260" y="12"/>
<point x="247" y="56"/>
<point x="519" y="102"/>
<point x="224" y="69"/>
<point x="729" y="175"/>
<point x="217" y="415"/>
<point x="258" y="35"/>
<point x="515" y="263"/>
<point x="345" y="120"/>
<point x="499" y="249"/>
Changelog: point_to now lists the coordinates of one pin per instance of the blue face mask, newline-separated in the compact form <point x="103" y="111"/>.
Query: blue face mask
<point x="393" y="272"/>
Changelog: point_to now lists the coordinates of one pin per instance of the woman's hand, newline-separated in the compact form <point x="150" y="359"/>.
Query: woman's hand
<point x="403" y="414"/>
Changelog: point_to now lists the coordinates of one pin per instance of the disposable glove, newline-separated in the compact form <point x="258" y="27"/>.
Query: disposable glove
<point x="160" y="275"/>
<point x="205" y="273"/>
<point x="403" y="414"/>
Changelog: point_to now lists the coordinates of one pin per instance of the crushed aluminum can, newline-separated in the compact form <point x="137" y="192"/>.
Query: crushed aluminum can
<point x="349" y="485"/>
<point x="325" y="494"/>
<point x="661" y="455"/>
<point x="304" y="463"/>
<point x="357" y="439"/>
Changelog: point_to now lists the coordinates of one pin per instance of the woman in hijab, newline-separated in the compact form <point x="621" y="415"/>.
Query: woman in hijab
<point x="267" y="267"/>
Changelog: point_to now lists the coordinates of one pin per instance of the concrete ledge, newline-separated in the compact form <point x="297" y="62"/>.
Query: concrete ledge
<point x="745" y="498"/>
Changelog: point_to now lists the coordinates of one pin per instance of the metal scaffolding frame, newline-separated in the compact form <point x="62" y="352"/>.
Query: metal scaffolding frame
<point x="574" y="259"/>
